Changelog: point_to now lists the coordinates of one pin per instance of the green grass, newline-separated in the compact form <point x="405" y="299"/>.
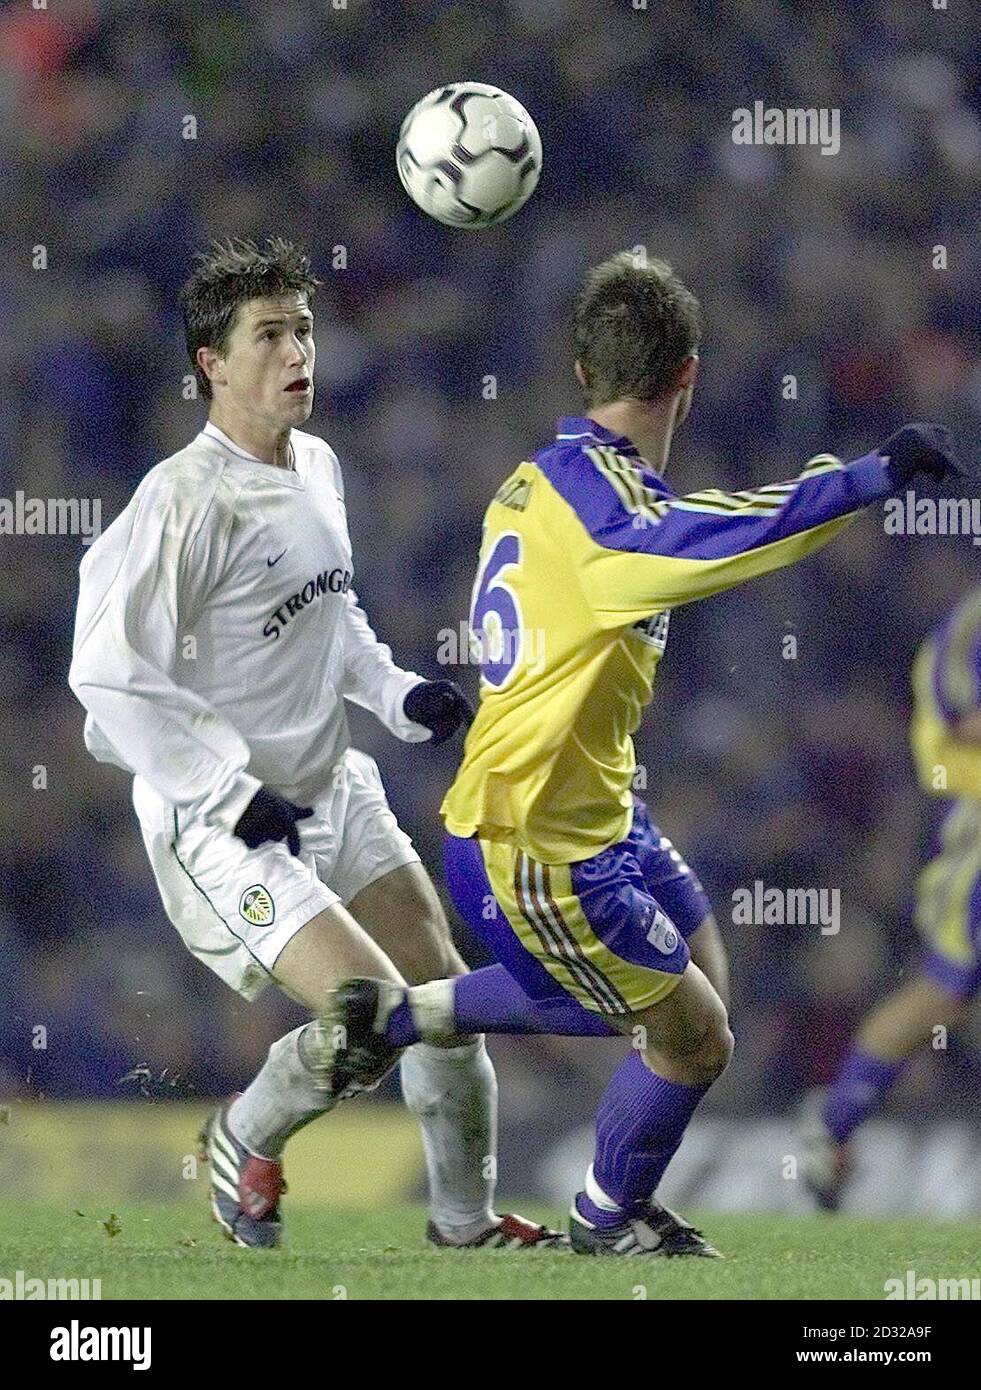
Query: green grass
<point x="173" y="1251"/>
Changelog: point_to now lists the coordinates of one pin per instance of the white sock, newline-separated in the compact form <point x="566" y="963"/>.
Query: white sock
<point x="285" y="1096"/>
<point x="431" y="1006"/>
<point x="453" y="1093"/>
<point x="596" y="1194"/>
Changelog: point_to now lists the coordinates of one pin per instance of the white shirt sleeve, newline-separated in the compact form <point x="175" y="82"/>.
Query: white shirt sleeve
<point x="141" y="589"/>
<point x="372" y="679"/>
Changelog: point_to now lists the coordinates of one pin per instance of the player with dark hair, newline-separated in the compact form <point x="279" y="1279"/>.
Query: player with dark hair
<point x="946" y="741"/>
<point x="218" y="637"/>
<point x="550" y="857"/>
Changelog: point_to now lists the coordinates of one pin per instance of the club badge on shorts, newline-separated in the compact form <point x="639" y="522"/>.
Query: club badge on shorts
<point x="257" y="906"/>
<point x="661" y="934"/>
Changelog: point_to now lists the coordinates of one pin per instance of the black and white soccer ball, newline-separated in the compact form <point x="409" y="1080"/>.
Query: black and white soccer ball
<point x="469" y="155"/>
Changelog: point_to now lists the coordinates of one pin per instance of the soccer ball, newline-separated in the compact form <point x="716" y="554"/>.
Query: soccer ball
<point x="469" y="155"/>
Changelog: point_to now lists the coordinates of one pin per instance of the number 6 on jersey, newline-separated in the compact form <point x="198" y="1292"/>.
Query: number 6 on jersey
<point x="496" y="629"/>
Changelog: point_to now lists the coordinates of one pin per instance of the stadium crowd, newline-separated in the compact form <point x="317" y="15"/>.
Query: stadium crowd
<point x="130" y="135"/>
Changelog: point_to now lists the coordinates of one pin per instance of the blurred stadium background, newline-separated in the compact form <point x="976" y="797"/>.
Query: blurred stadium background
<point x="791" y="771"/>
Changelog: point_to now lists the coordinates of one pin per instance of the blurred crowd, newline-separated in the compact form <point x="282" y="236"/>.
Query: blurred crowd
<point x="130" y="134"/>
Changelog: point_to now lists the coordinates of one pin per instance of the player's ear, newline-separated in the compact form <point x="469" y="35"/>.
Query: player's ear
<point x="689" y="371"/>
<point x="208" y="360"/>
<point x="580" y="375"/>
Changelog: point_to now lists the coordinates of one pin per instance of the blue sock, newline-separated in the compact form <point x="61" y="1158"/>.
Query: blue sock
<point x="400" y="1030"/>
<point x="491" y="1001"/>
<point x="641" y="1121"/>
<point x="861" y="1086"/>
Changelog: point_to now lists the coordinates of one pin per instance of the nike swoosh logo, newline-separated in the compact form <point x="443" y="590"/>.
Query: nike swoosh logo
<point x="270" y="563"/>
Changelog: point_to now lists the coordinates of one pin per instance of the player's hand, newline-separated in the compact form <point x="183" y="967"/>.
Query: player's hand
<point x="440" y="706"/>
<point x="270" y="816"/>
<point x="920" y="448"/>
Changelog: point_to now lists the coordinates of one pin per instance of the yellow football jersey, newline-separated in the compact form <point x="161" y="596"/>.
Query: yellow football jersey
<point x="585" y="551"/>
<point x="946" y="689"/>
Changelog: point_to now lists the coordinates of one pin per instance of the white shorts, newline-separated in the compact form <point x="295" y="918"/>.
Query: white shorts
<point x="236" y="908"/>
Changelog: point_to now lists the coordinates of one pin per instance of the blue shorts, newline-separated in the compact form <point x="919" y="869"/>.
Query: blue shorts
<point x="611" y="930"/>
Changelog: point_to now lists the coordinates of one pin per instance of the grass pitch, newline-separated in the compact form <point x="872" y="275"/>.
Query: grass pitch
<point x="172" y="1250"/>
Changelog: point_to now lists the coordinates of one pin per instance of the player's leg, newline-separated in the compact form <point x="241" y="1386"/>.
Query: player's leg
<point x="291" y="1089"/>
<point x="709" y="953"/>
<point x="519" y="995"/>
<point x="677" y="888"/>
<point x="594" y="931"/>
<point x="352" y="837"/>
<point x="325" y="951"/>
<point x="909" y="1017"/>
<point x="885" y="1041"/>
<point x="245" y="1138"/>
<point x="681" y="1045"/>
<point x="451" y="1086"/>
<point x="403" y="915"/>
<point x="451" y="1089"/>
<point x="600" y="933"/>
<point x="948" y="916"/>
<point x="258" y="917"/>
<point x="516" y="996"/>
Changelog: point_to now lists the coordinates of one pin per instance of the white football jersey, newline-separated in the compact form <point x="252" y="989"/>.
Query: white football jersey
<point x="217" y="634"/>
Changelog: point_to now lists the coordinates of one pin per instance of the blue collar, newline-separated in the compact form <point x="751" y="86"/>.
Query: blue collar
<point x="579" y="430"/>
<point x="572" y="428"/>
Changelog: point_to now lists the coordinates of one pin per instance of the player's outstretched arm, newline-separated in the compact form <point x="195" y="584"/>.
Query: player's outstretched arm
<point x="691" y="547"/>
<point x="140" y="588"/>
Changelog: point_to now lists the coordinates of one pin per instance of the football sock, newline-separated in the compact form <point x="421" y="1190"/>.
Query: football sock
<point x="284" y="1096"/>
<point x="641" y="1121"/>
<point x="452" y="1091"/>
<point x="861" y="1086"/>
<point x="487" y="1001"/>
<point x="491" y="1001"/>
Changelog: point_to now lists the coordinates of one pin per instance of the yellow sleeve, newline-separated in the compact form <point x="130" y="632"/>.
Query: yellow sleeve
<point x="676" y="550"/>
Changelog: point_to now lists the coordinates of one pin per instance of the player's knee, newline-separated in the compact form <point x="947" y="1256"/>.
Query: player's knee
<point x="710" y="1056"/>
<point x="717" y="1051"/>
<point x="700" y="1056"/>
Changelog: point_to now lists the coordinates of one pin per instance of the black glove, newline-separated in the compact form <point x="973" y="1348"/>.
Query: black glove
<point x="920" y="448"/>
<point x="270" y="816"/>
<point x="440" y="706"/>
